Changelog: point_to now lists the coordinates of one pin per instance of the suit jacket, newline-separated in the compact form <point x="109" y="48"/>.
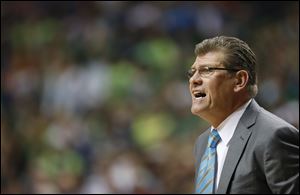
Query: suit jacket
<point x="262" y="158"/>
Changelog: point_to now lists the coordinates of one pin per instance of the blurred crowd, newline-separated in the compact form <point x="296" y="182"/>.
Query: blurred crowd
<point x="94" y="95"/>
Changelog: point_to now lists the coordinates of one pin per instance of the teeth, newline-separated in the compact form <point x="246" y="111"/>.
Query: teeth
<point x="199" y="95"/>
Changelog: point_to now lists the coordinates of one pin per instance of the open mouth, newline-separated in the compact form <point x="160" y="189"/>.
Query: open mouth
<point x="199" y="95"/>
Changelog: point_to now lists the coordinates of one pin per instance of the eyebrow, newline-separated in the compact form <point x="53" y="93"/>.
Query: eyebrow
<point x="205" y="65"/>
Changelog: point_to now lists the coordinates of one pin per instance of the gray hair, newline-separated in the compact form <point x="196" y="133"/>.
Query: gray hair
<point x="238" y="55"/>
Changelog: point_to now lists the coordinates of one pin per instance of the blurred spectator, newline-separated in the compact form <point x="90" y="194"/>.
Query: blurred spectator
<point x="93" y="95"/>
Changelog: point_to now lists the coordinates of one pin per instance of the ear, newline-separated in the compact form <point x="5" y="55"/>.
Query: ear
<point x="241" y="80"/>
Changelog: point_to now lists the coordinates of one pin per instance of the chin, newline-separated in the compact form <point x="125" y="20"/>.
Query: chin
<point x="196" y="110"/>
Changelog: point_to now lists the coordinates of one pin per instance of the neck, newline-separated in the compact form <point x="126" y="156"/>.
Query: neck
<point x="216" y="118"/>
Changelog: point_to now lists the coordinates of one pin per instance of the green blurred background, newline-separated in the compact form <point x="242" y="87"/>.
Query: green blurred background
<point x="94" y="94"/>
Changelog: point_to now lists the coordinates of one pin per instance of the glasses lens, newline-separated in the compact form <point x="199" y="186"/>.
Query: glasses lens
<point x="190" y="73"/>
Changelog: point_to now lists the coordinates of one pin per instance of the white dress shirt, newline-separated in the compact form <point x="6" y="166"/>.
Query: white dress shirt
<point x="226" y="130"/>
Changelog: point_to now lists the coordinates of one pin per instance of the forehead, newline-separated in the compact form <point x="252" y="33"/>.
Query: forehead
<point x="210" y="58"/>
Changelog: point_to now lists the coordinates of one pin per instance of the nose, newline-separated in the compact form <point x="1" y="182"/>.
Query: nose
<point x="196" y="79"/>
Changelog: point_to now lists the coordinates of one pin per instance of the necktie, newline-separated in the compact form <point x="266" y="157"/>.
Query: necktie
<point x="206" y="171"/>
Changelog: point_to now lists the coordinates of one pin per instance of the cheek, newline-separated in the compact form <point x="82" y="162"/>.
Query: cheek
<point x="215" y="87"/>
<point x="220" y="91"/>
<point x="220" y="88"/>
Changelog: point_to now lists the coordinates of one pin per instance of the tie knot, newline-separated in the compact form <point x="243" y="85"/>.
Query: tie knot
<point x="214" y="138"/>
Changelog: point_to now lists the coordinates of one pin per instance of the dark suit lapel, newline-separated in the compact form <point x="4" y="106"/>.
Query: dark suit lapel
<point x="237" y="144"/>
<point x="234" y="153"/>
<point x="201" y="146"/>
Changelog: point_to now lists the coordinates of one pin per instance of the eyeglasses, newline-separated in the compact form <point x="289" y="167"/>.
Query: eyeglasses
<point x="206" y="71"/>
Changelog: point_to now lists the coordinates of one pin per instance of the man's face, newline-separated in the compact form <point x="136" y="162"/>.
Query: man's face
<point x="212" y="93"/>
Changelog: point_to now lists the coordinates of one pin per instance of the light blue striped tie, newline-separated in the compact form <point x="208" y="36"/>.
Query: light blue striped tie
<point x="206" y="171"/>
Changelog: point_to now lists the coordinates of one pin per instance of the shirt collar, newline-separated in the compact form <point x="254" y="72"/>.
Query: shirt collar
<point x="228" y="126"/>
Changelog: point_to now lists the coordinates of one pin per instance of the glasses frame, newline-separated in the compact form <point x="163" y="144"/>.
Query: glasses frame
<point x="208" y="70"/>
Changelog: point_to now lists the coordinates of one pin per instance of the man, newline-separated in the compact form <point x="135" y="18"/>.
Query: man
<point x="247" y="150"/>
